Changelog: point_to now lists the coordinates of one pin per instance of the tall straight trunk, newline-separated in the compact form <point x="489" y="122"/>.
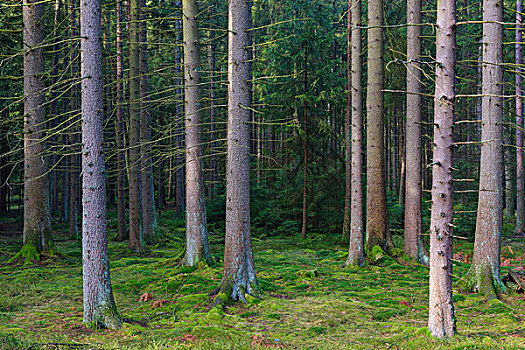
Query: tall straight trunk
<point x="376" y="223"/>
<point x="121" y="125"/>
<point x="37" y="221"/>
<point x="441" y="320"/>
<point x="4" y="167"/>
<point x="213" y="113"/>
<point x="136" y="238"/>
<point x="484" y="274"/>
<point x="99" y="306"/>
<point x="53" y="158"/>
<point x="413" y="245"/>
<point x="520" y="183"/>
<point x="179" y="161"/>
<point x="149" y="217"/>
<point x="348" y="117"/>
<point x="239" y="270"/>
<point x="356" y="253"/>
<point x="509" y="172"/>
<point x="64" y="174"/>
<point x="305" y="136"/>
<point x="74" y="162"/>
<point x="479" y="104"/>
<point x="392" y="147"/>
<point x="197" y="247"/>
<point x="402" y="161"/>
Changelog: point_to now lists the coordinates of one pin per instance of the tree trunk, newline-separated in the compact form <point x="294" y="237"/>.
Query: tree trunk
<point x="213" y="113"/>
<point x="53" y="158"/>
<point x="149" y="217"/>
<point x="74" y="163"/>
<point x="4" y="167"/>
<point x="356" y="254"/>
<point x="441" y="320"/>
<point x="99" y="306"/>
<point x="37" y="221"/>
<point x="305" y="136"/>
<point x="197" y="247"/>
<point x="413" y="247"/>
<point x="179" y="162"/>
<point x="121" y="126"/>
<point x="239" y="270"/>
<point x="484" y="274"/>
<point x="520" y="183"/>
<point x="348" y="117"/>
<point x="509" y="172"/>
<point x="377" y="230"/>
<point x="136" y="238"/>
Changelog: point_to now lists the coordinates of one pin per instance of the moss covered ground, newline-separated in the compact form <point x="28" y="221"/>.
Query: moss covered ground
<point x="310" y="300"/>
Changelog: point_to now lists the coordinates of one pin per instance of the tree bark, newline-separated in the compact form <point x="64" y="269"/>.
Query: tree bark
<point x="484" y="274"/>
<point x="197" y="247"/>
<point x="99" y="306"/>
<point x="149" y="217"/>
<point x="520" y="183"/>
<point x="74" y="162"/>
<point x="305" y="136"/>
<point x="356" y="253"/>
<point x="213" y="114"/>
<point x="348" y="117"/>
<point x="121" y="126"/>
<point x="239" y="270"/>
<point x="376" y="224"/>
<point x="53" y="157"/>
<point x="179" y="161"/>
<point x="441" y="320"/>
<point x="136" y="238"/>
<point x="37" y="221"/>
<point x="413" y="247"/>
<point x="4" y="165"/>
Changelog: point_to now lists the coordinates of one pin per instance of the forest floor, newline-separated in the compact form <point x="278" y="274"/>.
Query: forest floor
<point x="310" y="301"/>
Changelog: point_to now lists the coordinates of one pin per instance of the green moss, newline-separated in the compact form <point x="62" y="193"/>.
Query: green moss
<point x="377" y="253"/>
<point x="308" y="273"/>
<point x="129" y="329"/>
<point x="27" y="254"/>
<point x="343" y="308"/>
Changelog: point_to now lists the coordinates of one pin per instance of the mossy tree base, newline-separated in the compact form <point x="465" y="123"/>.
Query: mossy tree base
<point x="28" y="254"/>
<point x="231" y="292"/>
<point x="482" y="280"/>
<point x="104" y="318"/>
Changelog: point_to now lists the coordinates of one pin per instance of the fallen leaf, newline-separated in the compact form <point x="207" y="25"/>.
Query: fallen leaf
<point x="145" y="297"/>
<point x="159" y="303"/>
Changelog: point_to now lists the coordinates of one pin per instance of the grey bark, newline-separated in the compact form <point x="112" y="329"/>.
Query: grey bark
<point x="99" y="306"/>
<point x="74" y="162"/>
<point x="136" y="238"/>
<point x="213" y="114"/>
<point x="376" y="223"/>
<point x="413" y="247"/>
<point x="441" y="320"/>
<point x="37" y="220"/>
<point x="179" y="160"/>
<point x="197" y="247"/>
<point x="356" y="253"/>
<point x="149" y="217"/>
<point x="239" y="269"/>
<point x="520" y="175"/>
<point x="348" y="116"/>
<point x="121" y="125"/>
<point x="484" y="274"/>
